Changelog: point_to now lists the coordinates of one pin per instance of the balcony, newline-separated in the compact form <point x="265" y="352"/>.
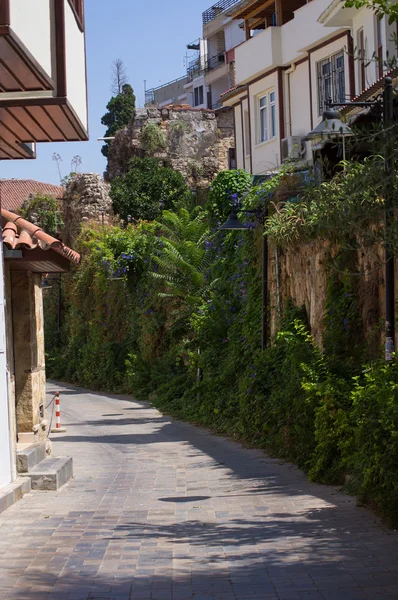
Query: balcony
<point x="257" y="55"/>
<point x="42" y="74"/>
<point x="211" y="13"/>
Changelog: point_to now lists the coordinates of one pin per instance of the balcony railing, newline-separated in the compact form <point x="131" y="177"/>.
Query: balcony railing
<point x="215" y="61"/>
<point x="195" y="69"/>
<point x="211" y="13"/>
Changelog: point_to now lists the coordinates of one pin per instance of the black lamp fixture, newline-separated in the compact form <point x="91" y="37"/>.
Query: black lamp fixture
<point x="45" y="284"/>
<point x="330" y="126"/>
<point x="233" y="224"/>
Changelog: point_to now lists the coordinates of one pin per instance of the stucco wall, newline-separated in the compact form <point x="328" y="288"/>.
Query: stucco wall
<point x="31" y="21"/>
<point x="75" y="66"/>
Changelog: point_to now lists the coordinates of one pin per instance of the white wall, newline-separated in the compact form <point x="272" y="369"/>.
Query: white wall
<point x="304" y="30"/>
<point x="258" y="54"/>
<point x="300" y="113"/>
<point x="266" y="155"/>
<point x="219" y="87"/>
<point x="234" y="35"/>
<point x="5" y="449"/>
<point x="75" y="66"/>
<point x="30" y="20"/>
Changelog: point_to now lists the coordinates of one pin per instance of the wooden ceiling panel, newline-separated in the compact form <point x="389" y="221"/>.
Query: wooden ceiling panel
<point x="41" y="117"/>
<point x="36" y="133"/>
<point x="63" y="123"/>
<point x="7" y="120"/>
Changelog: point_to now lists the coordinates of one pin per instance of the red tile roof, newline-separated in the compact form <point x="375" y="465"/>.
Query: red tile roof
<point x="13" y="192"/>
<point x="370" y="91"/>
<point x="19" y="234"/>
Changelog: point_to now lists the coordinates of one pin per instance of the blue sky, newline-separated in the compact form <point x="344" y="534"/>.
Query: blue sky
<point x="150" y="37"/>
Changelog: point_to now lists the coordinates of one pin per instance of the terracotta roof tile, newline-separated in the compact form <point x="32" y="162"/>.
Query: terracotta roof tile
<point x="370" y="91"/>
<point x="13" y="192"/>
<point x="17" y="233"/>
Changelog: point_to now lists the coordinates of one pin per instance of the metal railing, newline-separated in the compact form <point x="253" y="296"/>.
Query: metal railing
<point x="150" y="94"/>
<point x="195" y="69"/>
<point x="215" y="61"/>
<point x="211" y="13"/>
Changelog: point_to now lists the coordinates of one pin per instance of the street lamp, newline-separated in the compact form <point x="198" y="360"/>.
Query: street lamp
<point x="233" y="224"/>
<point x="388" y="107"/>
<point x="331" y="126"/>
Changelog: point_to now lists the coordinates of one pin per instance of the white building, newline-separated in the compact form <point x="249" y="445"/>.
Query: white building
<point x="211" y="72"/>
<point x="43" y="98"/>
<point x="296" y="57"/>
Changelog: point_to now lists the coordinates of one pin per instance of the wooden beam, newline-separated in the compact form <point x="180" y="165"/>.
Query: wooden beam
<point x="279" y="12"/>
<point x="259" y="9"/>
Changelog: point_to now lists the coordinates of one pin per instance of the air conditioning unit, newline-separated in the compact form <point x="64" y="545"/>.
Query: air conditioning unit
<point x="292" y="148"/>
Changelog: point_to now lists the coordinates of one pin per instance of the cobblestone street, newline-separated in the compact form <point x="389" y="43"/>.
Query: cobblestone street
<point x="159" y="509"/>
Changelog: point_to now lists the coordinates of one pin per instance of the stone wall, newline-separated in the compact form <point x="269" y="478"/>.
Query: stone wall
<point x="300" y="273"/>
<point x="197" y="142"/>
<point x="86" y="198"/>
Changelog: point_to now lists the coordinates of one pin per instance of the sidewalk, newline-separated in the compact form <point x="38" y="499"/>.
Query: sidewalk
<point x="162" y="510"/>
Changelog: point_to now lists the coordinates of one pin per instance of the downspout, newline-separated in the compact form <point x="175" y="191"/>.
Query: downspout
<point x="289" y="104"/>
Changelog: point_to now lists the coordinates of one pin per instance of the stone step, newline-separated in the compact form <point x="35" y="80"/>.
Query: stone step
<point x="51" y="473"/>
<point x="13" y="492"/>
<point x="31" y="456"/>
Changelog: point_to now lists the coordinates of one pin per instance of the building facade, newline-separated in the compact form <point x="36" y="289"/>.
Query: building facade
<point x="43" y="98"/>
<point x="297" y="57"/>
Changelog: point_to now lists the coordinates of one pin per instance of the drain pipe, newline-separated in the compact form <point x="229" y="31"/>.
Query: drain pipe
<point x="289" y="102"/>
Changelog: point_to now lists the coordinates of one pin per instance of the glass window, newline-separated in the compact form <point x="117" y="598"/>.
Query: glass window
<point x="263" y="119"/>
<point x="273" y="113"/>
<point x="247" y="133"/>
<point x="331" y="81"/>
<point x="198" y="96"/>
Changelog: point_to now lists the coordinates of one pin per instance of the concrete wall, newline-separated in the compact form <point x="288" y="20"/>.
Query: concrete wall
<point x="31" y="21"/>
<point x="234" y="35"/>
<point x="257" y="55"/>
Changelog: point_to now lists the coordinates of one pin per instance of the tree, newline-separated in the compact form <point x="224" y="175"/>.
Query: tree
<point x="120" y="112"/>
<point x="147" y="184"/>
<point x="119" y="76"/>
<point x="380" y="7"/>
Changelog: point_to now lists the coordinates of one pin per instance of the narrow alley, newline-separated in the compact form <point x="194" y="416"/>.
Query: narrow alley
<point x="159" y="509"/>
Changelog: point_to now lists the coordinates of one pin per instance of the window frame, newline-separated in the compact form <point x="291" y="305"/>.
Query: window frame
<point x="361" y="60"/>
<point x="199" y="92"/>
<point x="331" y="80"/>
<point x="269" y="109"/>
<point x="77" y="7"/>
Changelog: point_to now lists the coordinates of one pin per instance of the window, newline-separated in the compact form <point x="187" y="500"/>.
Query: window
<point x="379" y="46"/>
<point x="198" y="96"/>
<point x="331" y="81"/>
<point x="267" y="117"/>
<point x="361" y="61"/>
<point x="247" y="133"/>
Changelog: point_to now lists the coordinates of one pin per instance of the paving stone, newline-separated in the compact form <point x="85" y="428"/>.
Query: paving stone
<point x="161" y="510"/>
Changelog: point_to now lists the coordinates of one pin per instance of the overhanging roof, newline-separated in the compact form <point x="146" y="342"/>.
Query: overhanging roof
<point x="29" y="248"/>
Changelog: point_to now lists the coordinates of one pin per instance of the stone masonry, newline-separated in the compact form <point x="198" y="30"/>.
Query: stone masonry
<point x="197" y="142"/>
<point x="86" y="198"/>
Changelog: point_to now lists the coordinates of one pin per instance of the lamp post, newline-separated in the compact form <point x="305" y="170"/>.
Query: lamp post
<point x="330" y="126"/>
<point x="233" y="224"/>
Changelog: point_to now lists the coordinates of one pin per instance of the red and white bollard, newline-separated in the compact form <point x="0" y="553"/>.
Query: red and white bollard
<point x="58" y="428"/>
